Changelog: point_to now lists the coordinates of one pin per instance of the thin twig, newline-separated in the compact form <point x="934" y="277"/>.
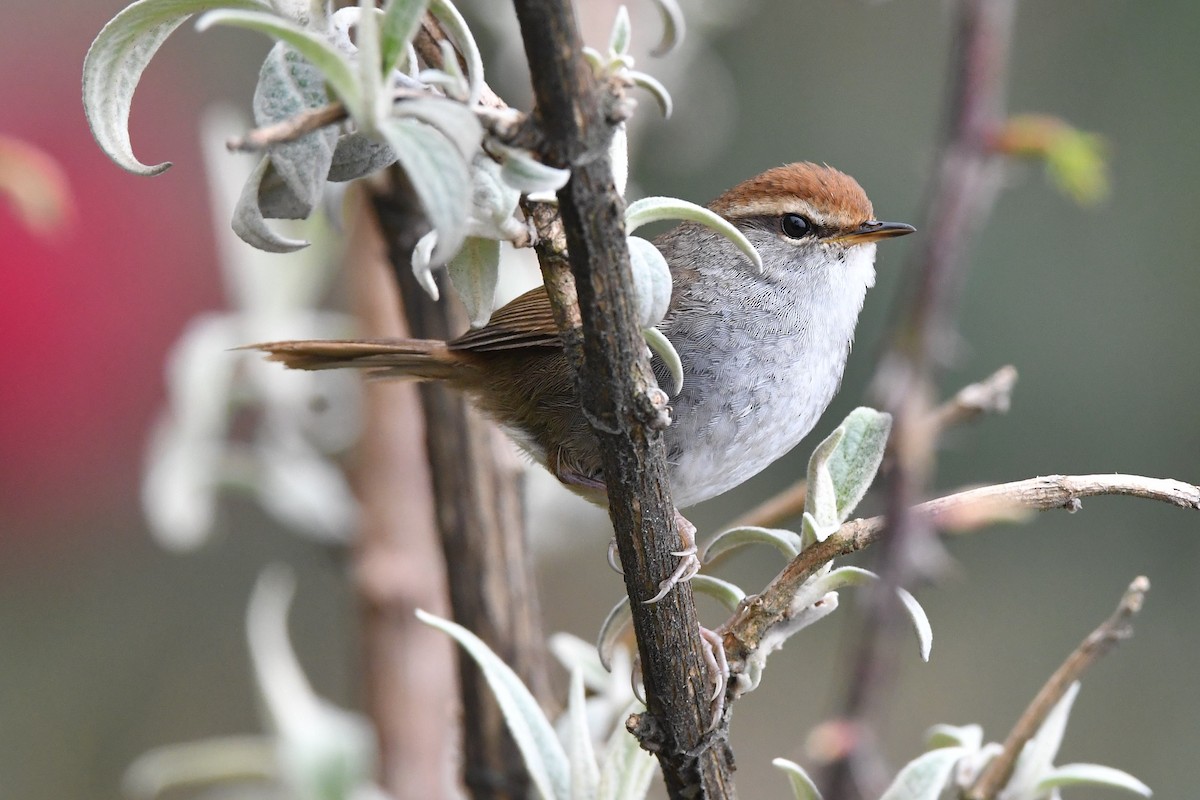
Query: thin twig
<point x="992" y="395"/>
<point x="745" y="630"/>
<point x="288" y="130"/>
<point x="1113" y="630"/>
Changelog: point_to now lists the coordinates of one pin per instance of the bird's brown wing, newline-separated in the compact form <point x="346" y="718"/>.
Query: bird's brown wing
<point x="527" y="321"/>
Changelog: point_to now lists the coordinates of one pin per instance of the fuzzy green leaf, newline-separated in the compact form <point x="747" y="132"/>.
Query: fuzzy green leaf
<point x="456" y="27"/>
<point x="672" y="35"/>
<point x="116" y="60"/>
<point x="248" y="222"/>
<point x="1091" y="775"/>
<point x="727" y="594"/>
<point x="401" y="19"/>
<point x="658" y="342"/>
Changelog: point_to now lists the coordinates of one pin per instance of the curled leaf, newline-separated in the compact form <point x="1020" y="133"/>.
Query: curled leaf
<point x="618" y="40"/>
<point x="401" y="19"/>
<point x="116" y="60"/>
<point x="585" y="773"/>
<point x="786" y="542"/>
<point x="456" y="27"/>
<point x="248" y="221"/>
<point x="672" y="35"/>
<point x="1090" y="775"/>
<point x="727" y="594"/>
<point x="610" y="631"/>
<point x="658" y="342"/>
<point x="652" y="85"/>
<point x="651" y="281"/>
<point x="656" y="209"/>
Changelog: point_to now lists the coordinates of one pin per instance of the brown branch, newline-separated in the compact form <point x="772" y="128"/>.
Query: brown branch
<point x="744" y="631"/>
<point x="614" y="384"/>
<point x="1112" y="631"/>
<point x="289" y="129"/>
<point x="992" y="395"/>
<point x="397" y="563"/>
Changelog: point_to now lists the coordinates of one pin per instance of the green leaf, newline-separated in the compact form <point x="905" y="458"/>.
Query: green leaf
<point x="357" y="155"/>
<point x="585" y="773"/>
<point x="475" y="272"/>
<point x="334" y="66"/>
<point x="857" y="576"/>
<point x="1037" y="756"/>
<point x="1091" y="775"/>
<point x="376" y="103"/>
<point x="657" y="341"/>
<point x="821" y="501"/>
<point x="727" y="594"/>
<point x="439" y="175"/>
<point x="116" y="60"/>
<point x="657" y="209"/>
<point x="534" y="735"/>
<point x="248" y="222"/>
<point x="577" y="654"/>
<point x="803" y="787"/>
<point x="786" y="542"/>
<point x="457" y="122"/>
<point x="401" y="19"/>
<point x="926" y="776"/>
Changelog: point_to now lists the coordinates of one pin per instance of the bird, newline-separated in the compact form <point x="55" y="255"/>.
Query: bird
<point x="763" y="353"/>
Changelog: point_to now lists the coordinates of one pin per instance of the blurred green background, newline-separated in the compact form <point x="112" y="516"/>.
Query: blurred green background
<point x="109" y="646"/>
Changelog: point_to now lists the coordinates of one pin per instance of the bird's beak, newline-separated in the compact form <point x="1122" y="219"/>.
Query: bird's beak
<point x="872" y="231"/>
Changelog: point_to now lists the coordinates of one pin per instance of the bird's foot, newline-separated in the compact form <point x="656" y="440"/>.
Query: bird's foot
<point x="713" y="647"/>
<point x="689" y="561"/>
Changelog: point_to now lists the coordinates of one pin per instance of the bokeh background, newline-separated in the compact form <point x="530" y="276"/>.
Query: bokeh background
<point x="109" y="645"/>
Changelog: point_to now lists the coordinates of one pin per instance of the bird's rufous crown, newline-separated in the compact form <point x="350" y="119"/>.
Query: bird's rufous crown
<point x="819" y="192"/>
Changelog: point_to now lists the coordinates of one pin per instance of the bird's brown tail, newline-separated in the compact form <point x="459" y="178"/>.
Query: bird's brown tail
<point x="422" y="359"/>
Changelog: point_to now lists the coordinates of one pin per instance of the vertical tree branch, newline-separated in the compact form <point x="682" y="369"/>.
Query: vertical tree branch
<point x="614" y="382"/>
<point x="479" y="508"/>
<point x="406" y="665"/>
<point x="961" y="196"/>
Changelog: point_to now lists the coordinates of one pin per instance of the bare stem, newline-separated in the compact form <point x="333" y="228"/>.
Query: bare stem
<point x="744" y="631"/>
<point x="1113" y="630"/>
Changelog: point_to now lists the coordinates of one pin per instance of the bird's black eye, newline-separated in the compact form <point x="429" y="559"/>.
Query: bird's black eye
<point x="795" y="226"/>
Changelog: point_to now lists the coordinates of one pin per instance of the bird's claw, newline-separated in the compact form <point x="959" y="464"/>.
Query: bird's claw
<point x="689" y="561"/>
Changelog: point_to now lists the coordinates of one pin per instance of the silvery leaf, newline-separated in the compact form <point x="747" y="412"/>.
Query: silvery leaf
<point x="248" y="221"/>
<point x="618" y="156"/>
<point x="673" y="29"/>
<point x="857" y="576"/>
<point x="576" y="654"/>
<point x="627" y="769"/>
<point x="610" y="631"/>
<point x="1037" y="757"/>
<point x="925" y="776"/>
<point x="179" y="767"/>
<point x="656" y="209"/>
<point x="786" y="542"/>
<point x="311" y="14"/>
<point x="618" y="40"/>
<point x="858" y="456"/>
<point x="456" y="121"/>
<point x="287" y="85"/>
<point x="652" y="85"/>
<point x="439" y="175"/>
<point x="821" y="500"/>
<point x="306" y="492"/>
<point x="325" y="56"/>
<point x="585" y="773"/>
<point x="543" y="754"/>
<point x="658" y="342"/>
<point x="651" y="281"/>
<point x="966" y="736"/>
<point x="357" y="155"/>
<point x="454" y="25"/>
<point x="475" y="272"/>
<point x="401" y="19"/>
<point x="115" y="62"/>
<point x="727" y="594"/>
<point x="523" y="172"/>
<point x="803" y="787"/>
<point x="1092" y="775"/>
<point x="422" y="267"/>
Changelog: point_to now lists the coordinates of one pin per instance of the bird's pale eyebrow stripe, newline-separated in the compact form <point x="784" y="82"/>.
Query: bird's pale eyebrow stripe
<point x="778" y="206"/>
